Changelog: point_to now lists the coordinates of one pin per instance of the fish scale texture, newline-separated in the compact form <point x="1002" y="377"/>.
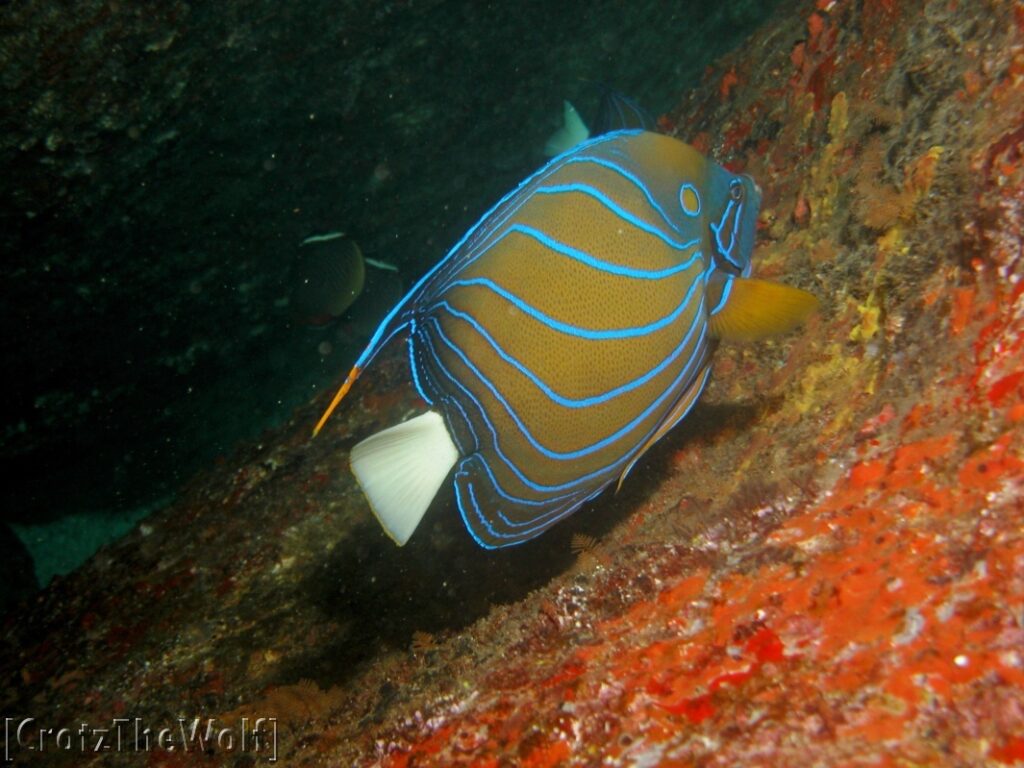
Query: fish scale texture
<point x="823" y="566"/>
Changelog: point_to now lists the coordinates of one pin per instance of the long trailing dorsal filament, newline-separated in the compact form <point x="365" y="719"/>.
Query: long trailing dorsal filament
<point x="342" y="391"/>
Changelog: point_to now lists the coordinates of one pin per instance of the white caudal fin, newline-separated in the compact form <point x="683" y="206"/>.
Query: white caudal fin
<point x="400" y="470"/>
<point x="572" y="132"/>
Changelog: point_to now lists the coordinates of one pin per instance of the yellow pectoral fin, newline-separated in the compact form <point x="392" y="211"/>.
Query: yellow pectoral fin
<point x="755" y="309"/>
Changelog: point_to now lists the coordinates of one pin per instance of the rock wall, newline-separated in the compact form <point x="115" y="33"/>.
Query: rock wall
<point x="824" y="565"/>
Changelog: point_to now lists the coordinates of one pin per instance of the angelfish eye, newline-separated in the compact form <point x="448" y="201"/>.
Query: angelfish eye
<point x="736" y="191"/>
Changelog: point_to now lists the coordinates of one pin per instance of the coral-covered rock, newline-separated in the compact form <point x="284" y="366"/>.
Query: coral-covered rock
<point x="823" y="566"/>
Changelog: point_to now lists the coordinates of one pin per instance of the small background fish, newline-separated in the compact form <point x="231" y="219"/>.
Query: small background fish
<point x="327" y="276"/>
<point x="615" y="112"/>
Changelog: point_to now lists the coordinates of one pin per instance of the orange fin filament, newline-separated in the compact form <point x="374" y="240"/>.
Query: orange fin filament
<point x="349" y="381"/>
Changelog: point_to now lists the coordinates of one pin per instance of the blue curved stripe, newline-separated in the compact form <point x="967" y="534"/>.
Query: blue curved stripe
<point x="632" y="178"/>
<point x="586" y="450"/>
<point x="496" y="445"/>
<point x="703" y="376"/>
<point x="456" y="262"/>
<point x="445" y="402"/>
<point x="512" y="467"/>
<point x="572" y="500"/>
<point x="520" y="537"/>
<point x="725" y="295"/>
<point x="412" y="365"/>
<point x="575" y="330"/>
<point x="544" y="387"/>
<point x="618" y="210"/>
<point x="726" y="252"/>
<point x="502" y="216"/>
<point x="479" y="515"/>
<point x="604" y="266"/>
<point x="551" y="503"/>
<point x="450" y="261"/>
<point x="585" y="258"/>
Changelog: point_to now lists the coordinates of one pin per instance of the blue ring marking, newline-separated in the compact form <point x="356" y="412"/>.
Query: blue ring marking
<point x="496" y="444"/>
<point x="544" y="387"/>
<point x="725" y="295"/>
<point x="696" y="193"/>
<point x="580" y="452"/>
<point x="574" y="330"/>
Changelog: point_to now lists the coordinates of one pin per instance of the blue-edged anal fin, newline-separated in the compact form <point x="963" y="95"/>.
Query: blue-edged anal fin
<point x="677" y="414"/>
<point x="743" y="309"/>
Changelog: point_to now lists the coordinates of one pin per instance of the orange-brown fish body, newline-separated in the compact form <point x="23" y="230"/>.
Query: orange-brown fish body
<point x="568" y="331"/>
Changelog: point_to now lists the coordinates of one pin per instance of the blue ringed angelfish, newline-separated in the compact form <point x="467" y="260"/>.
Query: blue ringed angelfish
<point x="567" y="332"/>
